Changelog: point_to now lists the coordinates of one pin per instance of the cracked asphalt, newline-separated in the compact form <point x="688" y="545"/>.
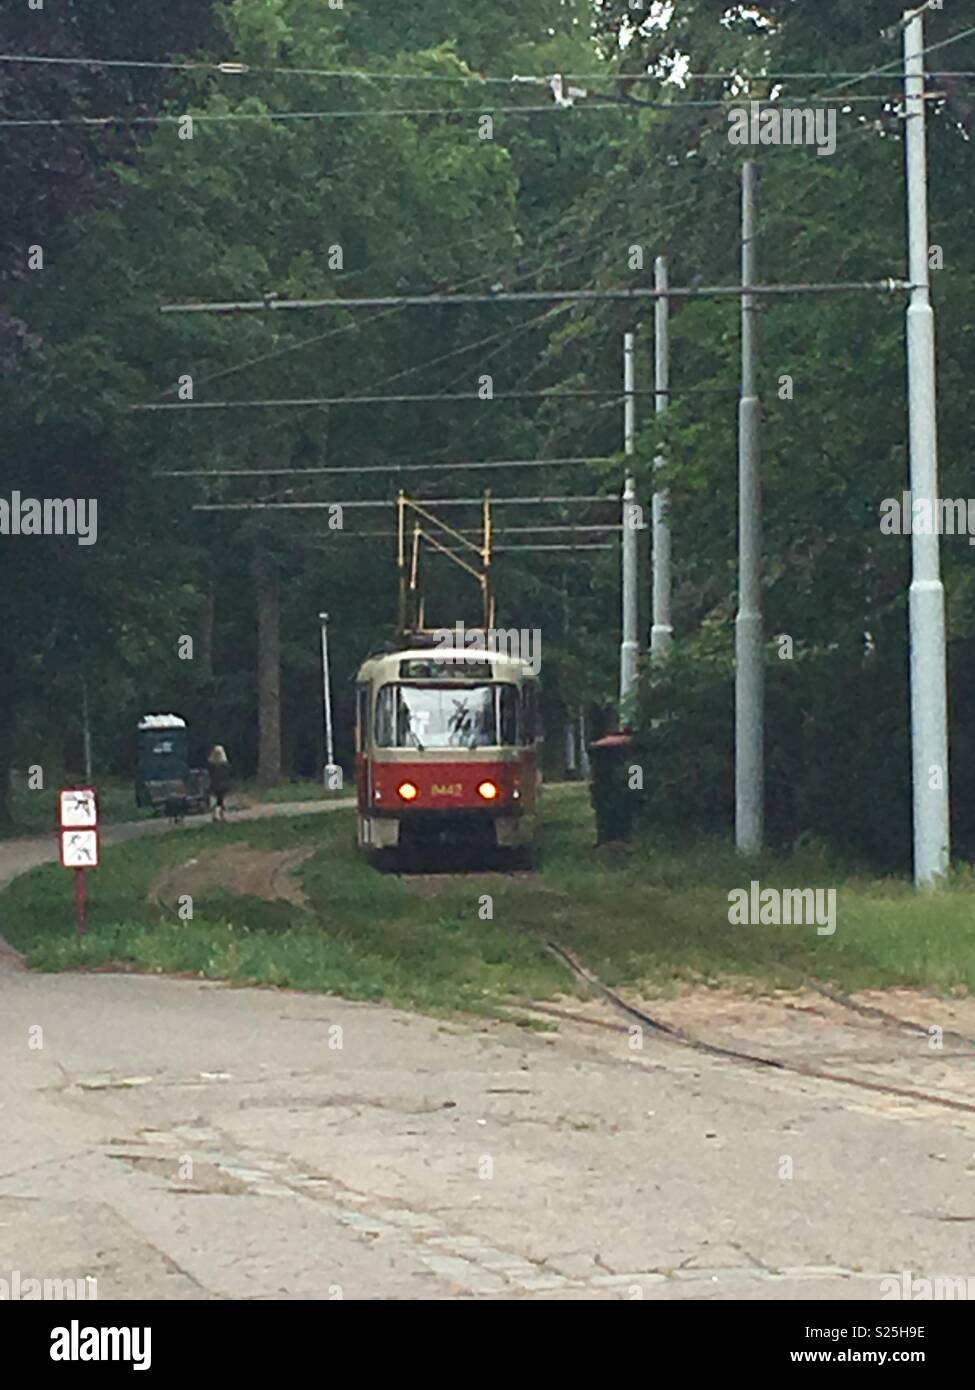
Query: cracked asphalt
<point x="180" y="1139"/>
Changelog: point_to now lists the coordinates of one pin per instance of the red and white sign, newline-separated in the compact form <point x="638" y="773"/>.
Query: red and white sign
<point x="79" y="828"/>
<point x="79" y="808"/>
<point x="79" y="849"/>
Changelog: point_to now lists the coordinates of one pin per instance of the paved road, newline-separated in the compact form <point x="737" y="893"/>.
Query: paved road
<point x="178" y="1139"/>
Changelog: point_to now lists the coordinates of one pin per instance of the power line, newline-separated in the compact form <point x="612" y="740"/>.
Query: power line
<point x="350" y="115"/>
<point x="377" y="468"/>
<point x="946" y="43"/>
<point x="387" y="314"/>
<point x="496" y="531"/>
<point x="553" y="393"/>
<point x="348" y="327"/>
<point x="505" y="333"/>
<point x="356" y="504"/>
<point x="475" y="111"/>
<point x="906" y="19"/>
<point x="353" y="115"/>
<point x="890" y="285"/>
<point x="885" y="69"/>
<point x="241" y="69"/>
<point x="567" y="546"/>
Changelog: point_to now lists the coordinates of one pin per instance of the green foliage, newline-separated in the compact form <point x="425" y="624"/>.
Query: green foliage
<point x="135" y="217"/>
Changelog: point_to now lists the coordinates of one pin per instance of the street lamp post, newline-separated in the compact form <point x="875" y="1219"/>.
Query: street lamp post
<point x="333" y="774"/>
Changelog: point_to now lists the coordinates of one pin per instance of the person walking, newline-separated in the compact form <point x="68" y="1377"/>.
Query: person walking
<point x="219" y="766"/>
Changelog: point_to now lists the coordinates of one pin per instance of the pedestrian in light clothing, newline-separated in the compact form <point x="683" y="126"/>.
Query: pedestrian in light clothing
<point x="219" y="766"/>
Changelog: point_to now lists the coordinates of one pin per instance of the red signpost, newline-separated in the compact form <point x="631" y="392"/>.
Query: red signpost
<point x="78" y="841"/>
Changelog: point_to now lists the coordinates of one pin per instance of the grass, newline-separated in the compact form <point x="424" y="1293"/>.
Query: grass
<point x="297" y="789"/>
<point x="658" y="912"/>
<point x="365" y="935"/>
<point x="653" y="915"/>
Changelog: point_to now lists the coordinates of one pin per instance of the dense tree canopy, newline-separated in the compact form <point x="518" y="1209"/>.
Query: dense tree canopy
<point x="236" y="204"/>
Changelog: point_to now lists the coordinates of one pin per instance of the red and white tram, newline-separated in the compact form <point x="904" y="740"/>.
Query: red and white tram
<point x="447" y="750"/>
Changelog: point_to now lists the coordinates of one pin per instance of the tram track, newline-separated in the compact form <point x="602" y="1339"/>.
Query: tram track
<point x="677" y="1036"/>
<point x="837" y="996"/>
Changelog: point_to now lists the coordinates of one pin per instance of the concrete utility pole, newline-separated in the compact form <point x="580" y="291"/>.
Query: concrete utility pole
<point x="571" y="766"/>
<point x="330" y="768"/>
<point x="585" y="767"/>
<point x="749" y="672"/>
<point x="662" y="630"/>
<point x="630" y="646"/>
<point x="929" y="694"/>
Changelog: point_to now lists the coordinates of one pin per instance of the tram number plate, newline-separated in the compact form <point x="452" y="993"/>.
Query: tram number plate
<point x="446" y="789"/>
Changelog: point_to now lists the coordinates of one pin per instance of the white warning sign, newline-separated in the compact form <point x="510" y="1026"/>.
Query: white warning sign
<point x="79" y="849"/>
<point x="78" y="807"/>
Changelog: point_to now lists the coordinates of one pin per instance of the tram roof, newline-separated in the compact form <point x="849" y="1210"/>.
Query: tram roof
<point x="388" y="663"/>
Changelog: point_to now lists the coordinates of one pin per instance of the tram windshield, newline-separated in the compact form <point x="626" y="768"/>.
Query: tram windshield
<point x="431" y="716"/>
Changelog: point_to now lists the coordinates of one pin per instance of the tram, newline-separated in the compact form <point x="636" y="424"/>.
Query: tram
<point x="447" y="751"/>
<point x="448" y="735"/>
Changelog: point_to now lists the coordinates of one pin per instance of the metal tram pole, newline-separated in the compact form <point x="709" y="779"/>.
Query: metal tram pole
<point x="629" y="647"/>
<point x="929" y="697"/>
<point x="333" y="774"/>
<point x="749" y="674"/>
<point x="662" y="630"/>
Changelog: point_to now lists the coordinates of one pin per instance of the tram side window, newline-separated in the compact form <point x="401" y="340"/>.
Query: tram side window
<point x="361" y="717"/>
<point x="529" y="714"/>
<point x="508" y="707"/>
<point x="385" y="708"/>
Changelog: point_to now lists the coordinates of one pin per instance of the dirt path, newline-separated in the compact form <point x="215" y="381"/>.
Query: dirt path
<point x="239" y="870"/>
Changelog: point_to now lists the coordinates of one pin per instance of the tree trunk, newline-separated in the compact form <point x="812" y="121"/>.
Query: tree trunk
<point x="205" y="664"/>
<point x="268" y="586"/>
<point x="207" y="618"/>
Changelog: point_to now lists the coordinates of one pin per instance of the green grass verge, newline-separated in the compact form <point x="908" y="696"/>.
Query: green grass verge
<point x="365" y="935"/>
<point x="654" y="915"/>
<point x="298" y="789"/>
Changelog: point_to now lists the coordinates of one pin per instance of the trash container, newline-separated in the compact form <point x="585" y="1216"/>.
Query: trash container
<point x="612" y="798"/>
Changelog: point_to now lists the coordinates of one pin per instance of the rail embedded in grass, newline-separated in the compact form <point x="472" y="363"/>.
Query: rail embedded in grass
<point x="655" y="917"/>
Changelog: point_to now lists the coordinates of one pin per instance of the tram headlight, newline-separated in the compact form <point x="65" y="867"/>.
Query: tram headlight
<point x="488" y="791"/>
<point x="407" y="791"/>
